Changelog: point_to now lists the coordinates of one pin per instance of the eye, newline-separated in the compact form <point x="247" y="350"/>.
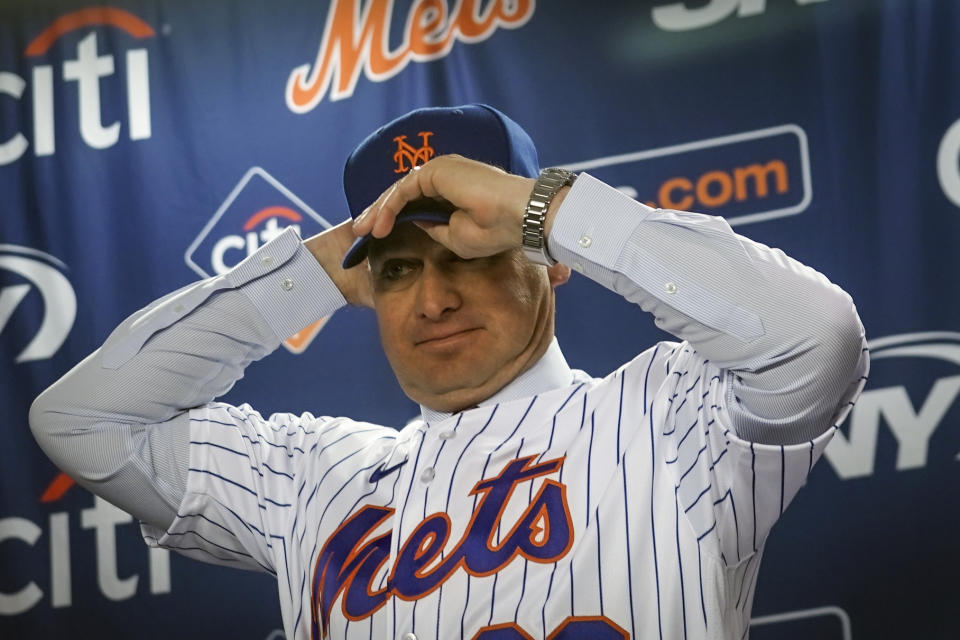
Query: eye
<point x="394" y="270"/>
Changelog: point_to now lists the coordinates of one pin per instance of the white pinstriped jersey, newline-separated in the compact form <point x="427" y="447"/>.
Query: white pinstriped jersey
<point x="618" y="507"/>
<point x="563" y="507"/>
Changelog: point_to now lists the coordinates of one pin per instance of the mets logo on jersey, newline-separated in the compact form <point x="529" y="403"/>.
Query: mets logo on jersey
<point x="407" y="156"/>
<point x="353" y="554"/>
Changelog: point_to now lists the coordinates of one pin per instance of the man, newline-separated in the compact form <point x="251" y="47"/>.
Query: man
<point x="530" y="500"/>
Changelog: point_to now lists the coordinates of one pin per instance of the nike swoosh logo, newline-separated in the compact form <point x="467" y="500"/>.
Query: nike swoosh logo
<point x="379" y="473"/>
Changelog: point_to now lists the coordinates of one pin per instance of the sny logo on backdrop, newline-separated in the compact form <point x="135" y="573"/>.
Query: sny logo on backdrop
<point x="86" y="70"/>
<point x="357" y="37"/>
<point x="744" y="177"/>
<point x="910" y="359"/>
<point x="677" y="16"/>
<point x="257" y="210"/>
<point x="44" y="274"/>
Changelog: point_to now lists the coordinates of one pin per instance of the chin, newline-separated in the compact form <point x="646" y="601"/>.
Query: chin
<point x="450" y="395"/>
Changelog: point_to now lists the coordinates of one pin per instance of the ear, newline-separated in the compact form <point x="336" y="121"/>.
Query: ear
<point x="558" y="274"/>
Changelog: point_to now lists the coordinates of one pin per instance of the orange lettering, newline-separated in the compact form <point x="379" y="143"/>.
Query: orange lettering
<point x="355" y="40"/>
<point x="426" y="24"/>
<point x="759" y="173"/>
<point x="665" y="195"/>
<point x="703" y="188"/>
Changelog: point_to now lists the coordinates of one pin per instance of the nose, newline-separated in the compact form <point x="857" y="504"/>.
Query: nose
<point x="438" y="293"/>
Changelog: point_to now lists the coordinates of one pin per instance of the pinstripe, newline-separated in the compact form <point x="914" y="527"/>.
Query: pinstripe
<point x="200" y="515"/>
<point x="517" y="428"/>
<point x="483" y="474"/>
<point x="623" y="377"/>
<point x="192" y="532"/>
<point x="398" y="528"/>
<point x="753" y="492"/>
<point x="450" y="491"/>
<point x="440" y="592"/>
<point x="225" y="479"/>
<point x="493" y="596"/>
<point x="316" y="486"/>
<point x="750" y="585"/>
<point x="201" y="549"/>
<point x="692" y="466"/>
<point x="703" y="604"/>
<point x="689" y="431"/>
<point x="697" y="499"/>
<point x="599" y="558"/>
<point x="626" y="510"/>
<point x="543" y="610"/>
<point x="346" y="484"/>
<point x="426" y="499"/>
<point x="783" y="472"/>
<point x="683" y="589"/>
<point x="743" y="580"/>
<point x="589" y="461"/>
<point x="553" y="429"/>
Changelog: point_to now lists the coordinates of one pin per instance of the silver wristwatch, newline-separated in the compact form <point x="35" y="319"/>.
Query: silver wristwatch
<point x="533" y="241"/>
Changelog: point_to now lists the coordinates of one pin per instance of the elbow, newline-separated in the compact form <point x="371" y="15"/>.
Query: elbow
<point x="45" y="421"/>
<point x="842" y="339"/>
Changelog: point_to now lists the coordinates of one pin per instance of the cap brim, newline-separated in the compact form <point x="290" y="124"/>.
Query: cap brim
<point x="438" y="212"/>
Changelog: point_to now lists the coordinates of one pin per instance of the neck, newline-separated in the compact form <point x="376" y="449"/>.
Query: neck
<point x="549" y="372"/>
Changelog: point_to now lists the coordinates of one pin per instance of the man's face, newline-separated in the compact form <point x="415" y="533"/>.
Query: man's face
<point x="457" y="331"/>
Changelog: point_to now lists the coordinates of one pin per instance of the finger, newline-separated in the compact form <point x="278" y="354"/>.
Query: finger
<point x="382" y="216"/>
<point x="437" y="231"/>
<point x="403" y="192"/>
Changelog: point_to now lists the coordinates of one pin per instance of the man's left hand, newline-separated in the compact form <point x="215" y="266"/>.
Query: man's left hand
<point x="489" y="205"/>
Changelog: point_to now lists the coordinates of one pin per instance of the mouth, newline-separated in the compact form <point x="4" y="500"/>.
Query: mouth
<point x="446" y="339"/>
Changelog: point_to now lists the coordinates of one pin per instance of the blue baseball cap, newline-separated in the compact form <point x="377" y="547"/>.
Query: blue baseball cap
<point x="475" y="131"/>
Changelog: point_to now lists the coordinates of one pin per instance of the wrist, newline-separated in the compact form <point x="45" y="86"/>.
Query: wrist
<point x="539" y="213"/>
<point x="552" y="211"/>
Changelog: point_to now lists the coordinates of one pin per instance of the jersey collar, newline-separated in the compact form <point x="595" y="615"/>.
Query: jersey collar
<point x="550" y="372"/>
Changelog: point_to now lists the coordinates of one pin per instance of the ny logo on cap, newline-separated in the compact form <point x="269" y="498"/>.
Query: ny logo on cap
<point x="407" y="154"/>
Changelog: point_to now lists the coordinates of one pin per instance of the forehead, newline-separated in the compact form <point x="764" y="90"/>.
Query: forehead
<point x="406" y="238"/>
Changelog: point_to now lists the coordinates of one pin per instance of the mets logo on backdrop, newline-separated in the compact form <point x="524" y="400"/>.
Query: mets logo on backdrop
<point x="257" y="210"/>
<point x="357" y="37"/>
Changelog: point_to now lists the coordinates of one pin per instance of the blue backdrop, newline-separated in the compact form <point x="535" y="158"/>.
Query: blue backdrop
<point x="146" y="143"/>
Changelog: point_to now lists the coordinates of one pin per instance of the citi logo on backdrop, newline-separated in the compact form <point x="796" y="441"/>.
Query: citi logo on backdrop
<point x="257" y="210"/>
<point x="95" y="75"/>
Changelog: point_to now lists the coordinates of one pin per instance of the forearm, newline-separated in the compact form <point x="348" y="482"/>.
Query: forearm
<point x="116" y="422"/>
<point x="792" y="339"/>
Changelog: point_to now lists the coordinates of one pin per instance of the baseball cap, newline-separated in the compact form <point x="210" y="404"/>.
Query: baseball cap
<point x="475" y="131"/>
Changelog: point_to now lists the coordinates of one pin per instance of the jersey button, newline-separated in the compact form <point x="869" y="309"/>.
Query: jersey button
<point x="409" y="636"/>
<point x="447" y="435"/>
<point x="427" y="476"/>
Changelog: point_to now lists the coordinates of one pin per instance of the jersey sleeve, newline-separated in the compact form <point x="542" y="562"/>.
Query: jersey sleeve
<point x="731" y="490"/>
<point x="245" y="482"/>
<point x="789" y="336"/>
<point x="118" y="422"/>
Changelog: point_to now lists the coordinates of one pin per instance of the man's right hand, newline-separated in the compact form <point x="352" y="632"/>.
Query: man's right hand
<point x="328" y="248"/>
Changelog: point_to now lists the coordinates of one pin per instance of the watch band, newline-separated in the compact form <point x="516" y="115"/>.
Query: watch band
<point x="533" y="241"/>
